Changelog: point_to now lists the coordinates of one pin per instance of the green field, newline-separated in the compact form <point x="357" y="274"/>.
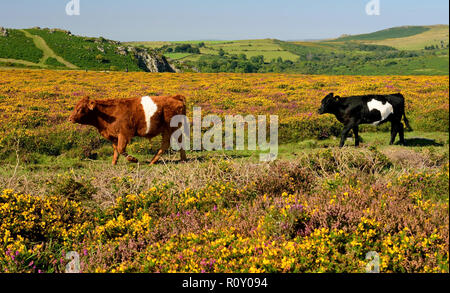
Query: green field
<point x="434" y="36"/>
<point x="177" y="56"/>
<point x="267" y="48"/>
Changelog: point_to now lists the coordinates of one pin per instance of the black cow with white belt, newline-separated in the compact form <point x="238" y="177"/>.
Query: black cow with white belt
<point x="367" y="109"/>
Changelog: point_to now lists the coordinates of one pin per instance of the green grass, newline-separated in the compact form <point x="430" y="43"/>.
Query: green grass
<point x="72" y="153"/>
<point x="417" y="141"/>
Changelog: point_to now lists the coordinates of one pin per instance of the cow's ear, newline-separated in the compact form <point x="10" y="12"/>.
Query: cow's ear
<point x="330" y="95"/>
<point x="91" y="105"/>
<point x="337" y="97"/>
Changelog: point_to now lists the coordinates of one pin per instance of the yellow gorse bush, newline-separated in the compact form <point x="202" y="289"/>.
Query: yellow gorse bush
<point x="28" y="223"/>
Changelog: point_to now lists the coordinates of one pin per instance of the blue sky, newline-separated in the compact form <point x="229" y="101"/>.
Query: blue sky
<point x="140" y="20"/>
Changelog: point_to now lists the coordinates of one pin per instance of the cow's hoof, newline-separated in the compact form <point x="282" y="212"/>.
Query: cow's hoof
<point x="132" y="160"/>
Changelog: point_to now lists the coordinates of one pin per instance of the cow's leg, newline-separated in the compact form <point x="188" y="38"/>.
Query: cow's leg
<point x="116" y="154"/>
<point x="122" y="146"/>
<point x="183" y="155"/>
<point x="164" y="146"/>
<point x="393" y="132"/>
<point x="401" y="132"/>
<point x="355" y="132"/>
<point x="344" y="134"/>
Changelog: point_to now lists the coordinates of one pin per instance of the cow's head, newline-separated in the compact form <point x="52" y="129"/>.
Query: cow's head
<point x="328" y="104"/>
<point x="82" y="111"/>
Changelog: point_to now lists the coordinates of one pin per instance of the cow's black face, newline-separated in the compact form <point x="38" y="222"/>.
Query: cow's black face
<point x="328" y="104"/>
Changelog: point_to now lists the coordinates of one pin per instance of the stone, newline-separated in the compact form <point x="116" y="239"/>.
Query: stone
<point x="150" y="61"/>
<point x="122" y="51"/>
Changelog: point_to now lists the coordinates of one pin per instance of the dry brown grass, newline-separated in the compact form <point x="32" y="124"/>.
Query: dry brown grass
<point x="307" y="169"/>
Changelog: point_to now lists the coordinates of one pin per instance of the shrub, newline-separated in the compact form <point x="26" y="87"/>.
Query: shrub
<point x="67" y="186"/>
<point x="299" y="128"/>
<point x="432" y="185"/>
<point x="434" y="120"/>
<point x="284" y="177"/>
<point x="368" y="161"/>
<point x="34" y="231"/>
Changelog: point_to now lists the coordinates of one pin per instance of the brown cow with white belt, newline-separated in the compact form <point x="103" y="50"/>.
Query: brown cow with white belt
<point x="119" y="120"/>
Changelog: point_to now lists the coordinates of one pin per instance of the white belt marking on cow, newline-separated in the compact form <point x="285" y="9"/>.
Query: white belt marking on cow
<point x="150" y="109"/>
<point x="385" y="109"/>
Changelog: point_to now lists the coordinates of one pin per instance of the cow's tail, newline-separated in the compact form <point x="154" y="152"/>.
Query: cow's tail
<point x="408" y="127"/>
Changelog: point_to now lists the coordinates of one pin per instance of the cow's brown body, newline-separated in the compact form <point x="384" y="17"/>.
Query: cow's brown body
<point x="119" y="120"/>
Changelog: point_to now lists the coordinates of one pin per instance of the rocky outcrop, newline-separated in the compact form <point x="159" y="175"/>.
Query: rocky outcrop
<point x="121" y="51"/>
<point x="53" y="30"/>
<point x="150" y="61"/>
<point x="3" y="32"/>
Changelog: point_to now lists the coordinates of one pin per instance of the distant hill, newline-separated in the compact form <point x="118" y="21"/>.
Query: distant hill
<point x="390" y="33"/>
<point x="405" y="37"/>
<point x="59" y="49"/>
